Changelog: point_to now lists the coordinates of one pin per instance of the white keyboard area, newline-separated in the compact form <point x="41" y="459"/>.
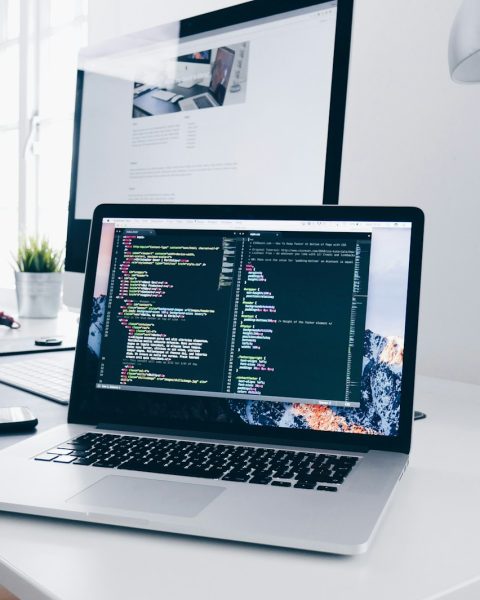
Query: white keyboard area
<point x="49" y="376"/>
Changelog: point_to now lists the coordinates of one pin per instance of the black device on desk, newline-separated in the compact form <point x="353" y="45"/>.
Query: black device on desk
<point x="48" y="341"/>
<point x="8" y="321"/>
<point x="16" y="418"/>
<point x="30" y="345"/>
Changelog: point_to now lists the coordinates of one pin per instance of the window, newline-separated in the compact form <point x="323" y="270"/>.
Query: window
<point x="9" y="133"/>
<point x="39" y="44"/>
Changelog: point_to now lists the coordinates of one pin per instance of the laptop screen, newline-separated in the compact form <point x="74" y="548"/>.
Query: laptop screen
<point x="222" y="67"/>
<point x="283" y="324"/>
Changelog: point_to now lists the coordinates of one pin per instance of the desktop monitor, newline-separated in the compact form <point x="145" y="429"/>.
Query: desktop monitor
<point x="148" y="130"/>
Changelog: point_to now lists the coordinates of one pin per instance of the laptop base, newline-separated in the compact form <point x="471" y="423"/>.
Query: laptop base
<point x="303" y="519"/>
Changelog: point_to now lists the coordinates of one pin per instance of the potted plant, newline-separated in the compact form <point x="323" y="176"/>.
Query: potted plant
<point x="38" y="279"/>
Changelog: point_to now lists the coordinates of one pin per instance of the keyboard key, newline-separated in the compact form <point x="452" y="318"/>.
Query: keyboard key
<point x="262" y="474"/>
<point x="305" y="484"/>
<point x="107" y="464"/>
<point x="153" y="467"/>
<point x="131" y="465"/>
<point x="64" y="459"/>
<point x="285" y="474"/>
<point x="326" y="488"/>
<point x="335" y="479"/>
<point x="281" y="483"/>
<point x="87" y="437"/>
<point x="59" y="451"/>
<point x="260" y="480"/>
<point x="46" y="457"/>
<point x="79" y="453"/>
<point x="241" y="477"/>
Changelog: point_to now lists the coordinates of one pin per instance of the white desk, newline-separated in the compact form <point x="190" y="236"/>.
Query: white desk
<point x="65" y="325"/>
<point x="48" y="413"/>
<point x="427" y="545"/>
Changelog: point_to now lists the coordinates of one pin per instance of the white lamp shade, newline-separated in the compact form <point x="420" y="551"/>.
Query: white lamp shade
<point x="464" y="46"/>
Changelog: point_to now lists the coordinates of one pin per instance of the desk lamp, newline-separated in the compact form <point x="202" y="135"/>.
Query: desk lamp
<point x="464" y="45"/>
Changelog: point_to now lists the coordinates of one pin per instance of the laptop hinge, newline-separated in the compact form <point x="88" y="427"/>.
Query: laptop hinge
<point x="230" y="437"/>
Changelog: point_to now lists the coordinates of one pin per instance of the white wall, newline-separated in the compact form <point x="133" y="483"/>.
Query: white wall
<point x="110" y="18"/>
<point x="412" y="137"/>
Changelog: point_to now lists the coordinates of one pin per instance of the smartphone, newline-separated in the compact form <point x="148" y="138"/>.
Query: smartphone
<point x="16" y="418"/>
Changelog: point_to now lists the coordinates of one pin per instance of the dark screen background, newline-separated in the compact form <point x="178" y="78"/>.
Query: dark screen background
<point x="167" y="410"/>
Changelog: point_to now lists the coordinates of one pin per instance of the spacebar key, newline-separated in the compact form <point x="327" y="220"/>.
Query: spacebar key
<point x="174" y="470"/>
<point x="186" y="471"/>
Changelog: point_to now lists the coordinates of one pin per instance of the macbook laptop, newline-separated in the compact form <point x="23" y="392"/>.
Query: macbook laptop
<point x="244" y="373"/>
<point x="222" y="67"/>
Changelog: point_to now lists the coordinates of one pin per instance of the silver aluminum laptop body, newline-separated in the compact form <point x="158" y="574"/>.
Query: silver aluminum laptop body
<point x="192" y="102"/>
<point x="341" y="522"/>
<point x="221" y="71"/>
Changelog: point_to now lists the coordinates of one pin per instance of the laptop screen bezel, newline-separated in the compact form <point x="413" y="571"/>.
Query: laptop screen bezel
<point x="85" y="412"/>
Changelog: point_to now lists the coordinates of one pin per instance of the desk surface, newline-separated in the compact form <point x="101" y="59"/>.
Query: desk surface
<point x="23" y="339"/>
<point x="427" y="545"/>
<point x="48" y="413"/>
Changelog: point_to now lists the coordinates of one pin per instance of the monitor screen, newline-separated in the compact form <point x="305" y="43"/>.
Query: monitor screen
<point x="278" y="324"/>
<point x="241" y="106"/>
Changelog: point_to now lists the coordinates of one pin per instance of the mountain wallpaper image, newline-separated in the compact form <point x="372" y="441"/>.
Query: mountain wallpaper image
<point x="381" y="390"/>
<point x="95" y="332"/>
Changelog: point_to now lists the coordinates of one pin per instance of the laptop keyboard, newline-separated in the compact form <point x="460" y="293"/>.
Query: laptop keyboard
<point x="202" y="102"/>
<point x="245" y="464"/>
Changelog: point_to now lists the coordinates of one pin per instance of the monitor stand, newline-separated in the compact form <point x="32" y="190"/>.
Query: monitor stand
<point x="73" y="290"/>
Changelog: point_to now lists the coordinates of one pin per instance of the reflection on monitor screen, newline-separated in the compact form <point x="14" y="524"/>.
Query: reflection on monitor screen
<point x="269" y="135"/>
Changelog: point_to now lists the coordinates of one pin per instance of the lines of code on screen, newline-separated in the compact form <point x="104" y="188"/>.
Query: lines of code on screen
<point x="274" y="315"/>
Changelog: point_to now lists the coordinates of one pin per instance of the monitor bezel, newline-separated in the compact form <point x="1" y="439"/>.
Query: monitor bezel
<point x="78" y="229"/>
<point x="85" y="414"/>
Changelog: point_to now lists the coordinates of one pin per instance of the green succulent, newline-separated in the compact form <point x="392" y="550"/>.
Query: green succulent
<point x="37" y="256"/>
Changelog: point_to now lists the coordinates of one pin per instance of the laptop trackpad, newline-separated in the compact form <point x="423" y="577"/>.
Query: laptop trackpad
<point x="148" y="495"/>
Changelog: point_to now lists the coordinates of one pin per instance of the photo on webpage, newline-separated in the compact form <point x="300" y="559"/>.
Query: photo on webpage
<point x="203" y="79"/>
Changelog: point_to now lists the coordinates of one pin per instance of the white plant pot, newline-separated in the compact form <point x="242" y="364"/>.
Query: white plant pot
<point x="39" y="295"/>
